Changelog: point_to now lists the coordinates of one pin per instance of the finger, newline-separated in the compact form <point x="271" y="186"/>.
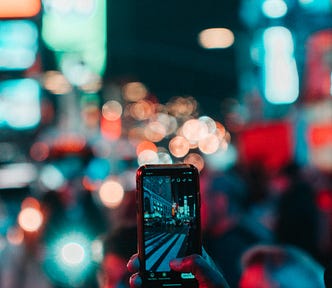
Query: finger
<point x="133" y="264"/>
<point x="187" y="264"/>
<point x="135" y="281"/>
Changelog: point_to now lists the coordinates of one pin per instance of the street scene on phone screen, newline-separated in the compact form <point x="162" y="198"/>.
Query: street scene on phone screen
<point x="169" y="220"/>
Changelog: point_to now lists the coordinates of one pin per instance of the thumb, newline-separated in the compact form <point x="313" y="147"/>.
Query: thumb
<point x="190" y="263"/>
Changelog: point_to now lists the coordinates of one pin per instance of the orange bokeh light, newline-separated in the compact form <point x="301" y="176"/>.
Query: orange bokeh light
<point x="146" y="145"/>
<point x="112" y="110"/>
<point x="179" y="146"/>
<point x="30" y="219"/>
<point x="134" y="91"/>
<point x="194" y="130"/>
<point x="196" y="160"/>
<point x="15" y="236"/>
<point x="30" y="202"/>
<point x="155" y="131"/>
<point x="209" y="144"/>
<point x="111" y="193"/>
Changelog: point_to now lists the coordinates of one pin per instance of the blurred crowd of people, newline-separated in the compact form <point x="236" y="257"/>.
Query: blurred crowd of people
<point x="254" y="206"/>
<point x="264" y="228"/>
<point x="254" y="222"/>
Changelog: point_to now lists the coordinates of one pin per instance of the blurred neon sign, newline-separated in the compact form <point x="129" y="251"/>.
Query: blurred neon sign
<point x="318" y="70"/>
<point x="269" y="144"/>
<point x="19" y="104"/>
<point x="316" y="5"/>
<point x="281" y="78"/>
<point x="18" y="44"/>
<point x="319" y="137"/>
<point x="19" y="8"/>
<point x="79" y="28"/>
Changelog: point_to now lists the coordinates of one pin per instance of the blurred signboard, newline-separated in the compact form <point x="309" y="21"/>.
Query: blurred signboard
<point x="319" y="136"/>
<point x="18" y="44"/>
<point x="318" y="70"/>
<point x="19" y="104"/>
<point x="77" y="27"/>
<point x="269" y="144"/>
<point x="19" y="8"/>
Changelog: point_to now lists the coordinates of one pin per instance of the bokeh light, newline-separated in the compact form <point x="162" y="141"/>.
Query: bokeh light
<point x="209" y="144"/>
<point x="15" y="236"/>
<point x="164" y="157"/>
<point x="222" y="159"/>
<point x="39" y="151"/>
<point x="146" y="145"/>
<point x="196" y="160"/>
<point x="56" y="83"/>
<point x="112" y="110"/>
<point x="134" y="91"/>
<point x="148" y="157"/>
<point x="274" y="8"/>
<point x="30" y="219"/>
<point x="111" y="193"/>
<point x="72" y="253"/>
<point x="214" y="38"/>
<point x="30" y="202"/>
<point x="182" y="107"/>
<point x="97" y="250"/>
<point x="142" y="110"/>
<point x="155" y="131"/>
<point x="169" y="122"/>
<point x="17" y="175"/>
<point x="179" y="146"/>
<point x="51" y="177"/>
<point x="194" y="130"/>
<point x="68" y="257"/>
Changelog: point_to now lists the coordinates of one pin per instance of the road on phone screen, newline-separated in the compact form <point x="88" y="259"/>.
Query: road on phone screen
<point x="161" y="247"/>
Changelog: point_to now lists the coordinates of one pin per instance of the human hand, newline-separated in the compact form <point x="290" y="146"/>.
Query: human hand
<point x="203" y="267"/>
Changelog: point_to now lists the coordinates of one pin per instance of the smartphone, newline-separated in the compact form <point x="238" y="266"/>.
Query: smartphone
<point x="168" y="218"/>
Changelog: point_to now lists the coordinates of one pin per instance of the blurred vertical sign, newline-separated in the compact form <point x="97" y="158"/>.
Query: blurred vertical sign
<point x="19" y="41"/>
<point x="18" y="34"/>
<point x="76" y="29"/>
<point x="318" y="72"/>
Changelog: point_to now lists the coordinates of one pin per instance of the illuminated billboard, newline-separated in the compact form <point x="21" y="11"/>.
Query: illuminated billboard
<point x="20" y="104"/>
<point x="19" y="8"/>
<point x="77" y="27"/>
<point x="18" y="44"/>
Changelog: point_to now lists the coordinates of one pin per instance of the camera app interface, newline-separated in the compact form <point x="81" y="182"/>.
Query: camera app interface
<point x="170" y="228"/>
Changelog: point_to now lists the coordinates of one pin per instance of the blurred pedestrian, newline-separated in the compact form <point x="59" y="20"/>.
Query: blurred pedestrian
<point x="268" y="266"/>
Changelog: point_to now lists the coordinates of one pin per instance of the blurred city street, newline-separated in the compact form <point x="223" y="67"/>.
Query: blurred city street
<point x="92" y="89"/>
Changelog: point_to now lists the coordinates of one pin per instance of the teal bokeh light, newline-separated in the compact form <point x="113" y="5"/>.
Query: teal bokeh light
<point x="68" y="259"/>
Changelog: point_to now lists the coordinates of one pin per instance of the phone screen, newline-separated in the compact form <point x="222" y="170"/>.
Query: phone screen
<point x="170" y="222"/>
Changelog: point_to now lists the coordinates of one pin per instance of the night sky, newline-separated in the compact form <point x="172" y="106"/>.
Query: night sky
<point x="156" y="42"/>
